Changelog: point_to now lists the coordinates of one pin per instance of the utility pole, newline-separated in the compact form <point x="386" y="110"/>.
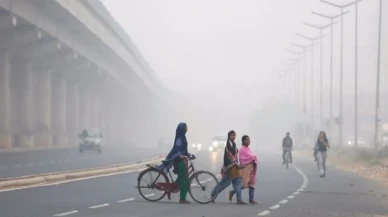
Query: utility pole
<point x="304" y="49"/>
<point x="297" y="63"/>
<point x="311" y="39"/>
<point x="341" y="119"/>
<point x="320" y="28"/>
<point x="331" y="17"/>
<point x="378" y="78"/>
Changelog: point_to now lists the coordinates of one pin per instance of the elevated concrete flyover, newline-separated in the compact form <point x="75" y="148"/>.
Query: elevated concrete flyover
<point x="66" y="65"/>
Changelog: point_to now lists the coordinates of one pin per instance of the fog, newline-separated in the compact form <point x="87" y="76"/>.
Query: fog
<point x="223" y="58"/>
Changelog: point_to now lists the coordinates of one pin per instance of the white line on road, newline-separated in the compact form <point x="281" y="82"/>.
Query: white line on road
<point x="149" y="195"/>
<point x="275" y="206"/>
<point x="99" y="206"/>
<point x="73" y="180"/>
<point x="283" y="201"/>
<point x="290" y="197"/>
<point x="296" y="193"/>
<point x="65" y="213"/>
<point x="125" y="200"/>
<point x="264" y="213"/>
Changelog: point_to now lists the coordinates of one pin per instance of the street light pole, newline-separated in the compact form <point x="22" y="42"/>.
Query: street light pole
<point x="320" y="28"/>
<point x="304" y="51"/>
<point x="331" y="62"/>
<point x="297" y="63"/>
<point x="378" y="79"/>
<point x="311" y="79"/>
<point x="342" y="7"/>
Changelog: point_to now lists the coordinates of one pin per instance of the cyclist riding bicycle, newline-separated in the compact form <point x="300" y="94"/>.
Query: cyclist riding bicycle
<point x="287" y="146"/>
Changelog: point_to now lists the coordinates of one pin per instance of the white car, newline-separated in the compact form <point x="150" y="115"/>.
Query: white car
<point x="90" y="139"/>
<point x="218" y="143"/>
<point x="360" y="142"/>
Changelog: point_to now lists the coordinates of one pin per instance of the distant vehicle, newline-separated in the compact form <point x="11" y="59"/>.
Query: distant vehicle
<point x="361" y="142"/>
<point x="218" y="143"/>
<point x="90" y="139"/>
<point x="165" y="143"/>
<point x="196" y="147"/>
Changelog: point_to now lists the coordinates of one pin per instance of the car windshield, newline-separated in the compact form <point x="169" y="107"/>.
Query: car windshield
<point x="94" y="134"/>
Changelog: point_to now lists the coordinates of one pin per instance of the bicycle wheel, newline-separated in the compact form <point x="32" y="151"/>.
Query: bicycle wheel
<point x="154" y="176"/>
<point x="203" y="181"/>
<point x="287" y="159"/>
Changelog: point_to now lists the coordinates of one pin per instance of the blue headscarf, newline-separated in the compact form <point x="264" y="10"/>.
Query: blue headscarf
<point x="180" y="143"/>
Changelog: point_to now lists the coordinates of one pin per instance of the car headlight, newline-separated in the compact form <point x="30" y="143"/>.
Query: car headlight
<point x="97" y="141"/>
<point x="199" y="145"/>
<point x="349" y="142"/>
<point x="215" y="144"/>
<point x="210" y="148"/>
<point x="193" y="145"/>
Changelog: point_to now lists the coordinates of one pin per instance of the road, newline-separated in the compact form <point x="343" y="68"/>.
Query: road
<point x="295" y="192"/>
<point x="13" y="164"/>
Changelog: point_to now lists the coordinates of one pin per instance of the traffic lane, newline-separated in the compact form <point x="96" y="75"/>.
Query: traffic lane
<point x="78" y="195"/>
<point x="340" y="193"/>
<point x="99" y="192"/>
<point x="70" y="159"/>
<point x="275" y="183"/>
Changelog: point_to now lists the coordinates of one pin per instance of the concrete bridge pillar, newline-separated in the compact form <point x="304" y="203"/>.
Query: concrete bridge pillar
<point x="58" y="100"/>
<point x="84" y="109"/>
<point x="72" y="113"/>
<point x="43" y="136"/>
<point x="5" y="135"/>
<point x="26" y="137"/>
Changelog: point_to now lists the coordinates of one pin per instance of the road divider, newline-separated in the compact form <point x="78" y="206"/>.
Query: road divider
<point x="24" y="181"/>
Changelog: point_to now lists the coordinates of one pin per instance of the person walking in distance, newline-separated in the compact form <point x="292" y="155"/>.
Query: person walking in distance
<point x="322" y="145"/>
<point x="287" y="146"/>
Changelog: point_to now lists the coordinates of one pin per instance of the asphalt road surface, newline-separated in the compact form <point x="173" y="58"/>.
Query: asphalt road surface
<point x="296" y="192"/>
<point x="13" y="164"/>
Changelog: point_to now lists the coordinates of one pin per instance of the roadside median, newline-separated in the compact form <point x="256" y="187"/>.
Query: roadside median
<point x="32" y="180"/>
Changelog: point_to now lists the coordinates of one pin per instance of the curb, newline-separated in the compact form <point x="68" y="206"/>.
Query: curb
<point x="75" y="174"/>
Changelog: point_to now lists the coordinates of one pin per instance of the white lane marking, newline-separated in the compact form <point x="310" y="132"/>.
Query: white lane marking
<point x="99" y="206"/>
<point x="67" y="181"/>
<point x="296" y="193"/>
<point x="275" y="206"/>
<point x="283" y="201"/>
<point x="264" y="213"/>
<point x="125" y="200"/>
<point x="149" y="195"/>
<point x="290" y="197"/>
<point x="301" y="189"/>
<point x="65" y="213"/>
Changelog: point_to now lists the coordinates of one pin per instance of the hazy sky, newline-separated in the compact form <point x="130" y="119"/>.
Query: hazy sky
<point x="219" y="50"/>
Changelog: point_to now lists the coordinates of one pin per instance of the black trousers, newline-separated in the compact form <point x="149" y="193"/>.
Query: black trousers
<point x="284" y="155"/>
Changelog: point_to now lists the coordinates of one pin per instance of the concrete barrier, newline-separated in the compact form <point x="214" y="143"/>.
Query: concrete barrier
<point x="25" y="181"/>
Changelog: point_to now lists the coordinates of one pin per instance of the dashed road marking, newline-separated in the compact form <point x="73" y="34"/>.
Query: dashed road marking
<point x="99" y="206"/>
<point x="283" y="201"/>
<point x="65" y="213"/>
<point x="296" y="193"/>
<point x="149" y="195"/>
<point x="275" y="206"/>
<point x="125" y="200"/>
<point x="264" y="213"/>
<point x="290" y="197"/>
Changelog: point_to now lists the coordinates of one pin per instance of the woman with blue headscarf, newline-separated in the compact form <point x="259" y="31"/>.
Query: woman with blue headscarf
<point x="177" y="156"/>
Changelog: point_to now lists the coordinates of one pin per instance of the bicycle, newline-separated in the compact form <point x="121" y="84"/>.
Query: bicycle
<point x="165" y="187"/>
<point x="287" y="156"/>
